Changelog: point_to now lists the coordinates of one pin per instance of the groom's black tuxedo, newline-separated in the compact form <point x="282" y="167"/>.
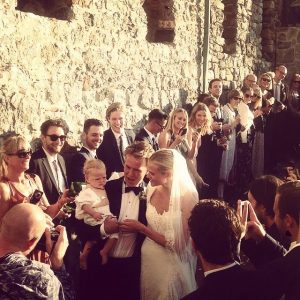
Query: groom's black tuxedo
<point x="120" y="277"/>
<point x="114" y="194"/>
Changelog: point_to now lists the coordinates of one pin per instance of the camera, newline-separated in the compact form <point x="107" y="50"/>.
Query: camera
<point x="36" y="197"/>
<point x="54" y="234"/>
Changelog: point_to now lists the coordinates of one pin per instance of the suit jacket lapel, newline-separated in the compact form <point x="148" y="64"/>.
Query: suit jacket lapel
<point x="62" y="165"/>
<point x="113" y="140"/>
<point x="116" y="195"/>
<point x="49" y="171"/>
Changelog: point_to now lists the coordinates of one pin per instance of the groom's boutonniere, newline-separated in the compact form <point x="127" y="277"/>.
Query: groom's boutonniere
<point x="142" y="195"/>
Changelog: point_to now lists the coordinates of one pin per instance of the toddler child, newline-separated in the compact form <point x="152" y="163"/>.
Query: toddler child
<point x="92" y="206"/>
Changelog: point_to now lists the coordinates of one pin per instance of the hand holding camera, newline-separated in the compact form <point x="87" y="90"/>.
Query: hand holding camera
<point x="56" y="245"/>
<point x="253" y="229"/>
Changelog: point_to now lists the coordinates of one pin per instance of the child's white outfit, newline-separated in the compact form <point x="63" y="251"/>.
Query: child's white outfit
<point x="88" y="196"/>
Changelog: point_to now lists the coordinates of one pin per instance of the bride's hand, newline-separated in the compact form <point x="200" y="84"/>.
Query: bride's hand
<point x="130" y="225"/>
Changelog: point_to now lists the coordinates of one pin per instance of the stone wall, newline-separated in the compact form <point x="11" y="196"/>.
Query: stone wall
<point x="243" y="55"/>
<point x="288" y="48"/>
<point x="74" y="70"/>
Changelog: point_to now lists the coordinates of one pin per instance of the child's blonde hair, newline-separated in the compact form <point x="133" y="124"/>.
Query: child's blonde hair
<point x="93" y="164"/>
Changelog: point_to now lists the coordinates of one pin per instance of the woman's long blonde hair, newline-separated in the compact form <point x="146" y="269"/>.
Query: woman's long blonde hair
<point x="170" y="123"/>
<point x="192" y="122"/>
<point x="11" y="145"/>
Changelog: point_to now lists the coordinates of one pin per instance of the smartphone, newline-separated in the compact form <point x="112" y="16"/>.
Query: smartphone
<point x="183" y="131"/>
<point x="36" y="197"/>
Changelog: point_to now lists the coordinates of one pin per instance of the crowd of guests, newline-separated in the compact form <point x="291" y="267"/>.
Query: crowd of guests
<point x="127" y="232"/>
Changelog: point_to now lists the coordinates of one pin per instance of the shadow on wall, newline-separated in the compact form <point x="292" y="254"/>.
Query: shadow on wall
<point x="58" y="9"/>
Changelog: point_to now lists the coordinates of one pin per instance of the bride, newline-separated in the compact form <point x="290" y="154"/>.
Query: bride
<point x="168" y="260"/>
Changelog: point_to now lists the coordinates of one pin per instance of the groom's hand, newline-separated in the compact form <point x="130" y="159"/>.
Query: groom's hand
<point x="111" y="225"/>
<point x="129" y="225"/>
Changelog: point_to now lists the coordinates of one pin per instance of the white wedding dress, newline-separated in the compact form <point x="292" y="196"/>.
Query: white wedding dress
<point x="164" y="276"/>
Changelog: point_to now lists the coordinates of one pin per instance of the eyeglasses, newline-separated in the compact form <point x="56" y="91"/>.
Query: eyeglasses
<point x="266" y="79"/>
<point x="54" y="137"/>
<point x="256" y="96"/>
<point x="161" y="126"/>
<point x="238" y="98"/>
<point x="21" y="153"/>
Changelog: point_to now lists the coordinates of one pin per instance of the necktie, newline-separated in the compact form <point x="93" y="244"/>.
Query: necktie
<point x="154" y="144"/>
<point x="56" y="174"/>
<point x="135" y="189"/>
<point x="121" y="148"/>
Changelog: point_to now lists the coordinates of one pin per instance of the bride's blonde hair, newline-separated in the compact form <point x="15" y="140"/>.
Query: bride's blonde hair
<point x="163" y="159"/>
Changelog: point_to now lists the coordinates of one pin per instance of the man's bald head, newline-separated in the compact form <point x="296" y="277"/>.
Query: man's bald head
<point x="22" y="226"/>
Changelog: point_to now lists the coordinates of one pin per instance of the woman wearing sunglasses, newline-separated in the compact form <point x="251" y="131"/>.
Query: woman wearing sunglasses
<point x="15" y="185"/>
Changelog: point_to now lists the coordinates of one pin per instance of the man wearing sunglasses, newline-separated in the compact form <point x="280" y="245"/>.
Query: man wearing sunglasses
<point x="156" y="123"/>
<point x="48" y="163"/>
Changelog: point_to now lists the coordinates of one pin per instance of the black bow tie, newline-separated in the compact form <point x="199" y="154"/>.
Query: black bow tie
<point x="135" y="189"/>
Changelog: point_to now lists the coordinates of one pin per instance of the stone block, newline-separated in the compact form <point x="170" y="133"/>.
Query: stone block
<point x="285" y="56"/>
<point x="284" y="45"/>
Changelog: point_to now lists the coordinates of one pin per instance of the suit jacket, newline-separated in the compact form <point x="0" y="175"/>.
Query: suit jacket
<point x="230" y="284"/>
<point x="144" y="136"/>
<point x="109" y="151"/>
<point x="75" y="168"/>
<point x="114" y="194"/>
<point x="280" y="276"/>
<point x="39" y="165"/>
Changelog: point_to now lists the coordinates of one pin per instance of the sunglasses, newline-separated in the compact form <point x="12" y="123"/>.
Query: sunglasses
<point x="266" y="79"/>
<point x="54" y="137"/>
<point x="21" y="153"/>
<point x="256" y="96"/>
<point x="296" y="81"/>
<point x="238" y="98"/>
<point x="161" y="126"/>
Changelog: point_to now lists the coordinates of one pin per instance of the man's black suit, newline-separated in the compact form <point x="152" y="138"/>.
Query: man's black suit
<point x="230" y="284"/>
<point x="109" y="151"/>
<point x="121" y="276"/>
<point x="39" y="165"/>
<point x="75" y="168"/>
<point x="142" y="135"/>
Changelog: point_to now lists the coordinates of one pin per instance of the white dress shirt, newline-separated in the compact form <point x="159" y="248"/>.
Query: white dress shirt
<point x="61" y="180"/>
<point x="124" y="139"/>
<point x="130" y="204"/>
<point x="91" y="152"/>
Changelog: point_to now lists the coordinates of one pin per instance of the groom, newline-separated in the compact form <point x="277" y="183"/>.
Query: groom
<point x="127" y="200"/>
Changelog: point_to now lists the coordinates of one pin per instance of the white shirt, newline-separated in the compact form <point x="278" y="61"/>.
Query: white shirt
<point x="130" y="204"/>
<point x="61" y="180"/>
<point x="292" y="246"/>
<point x="151" y="135"/>
<point x="124" y="139"/>
<point x="220" y="269"/>
<point x="92" y="152"/>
